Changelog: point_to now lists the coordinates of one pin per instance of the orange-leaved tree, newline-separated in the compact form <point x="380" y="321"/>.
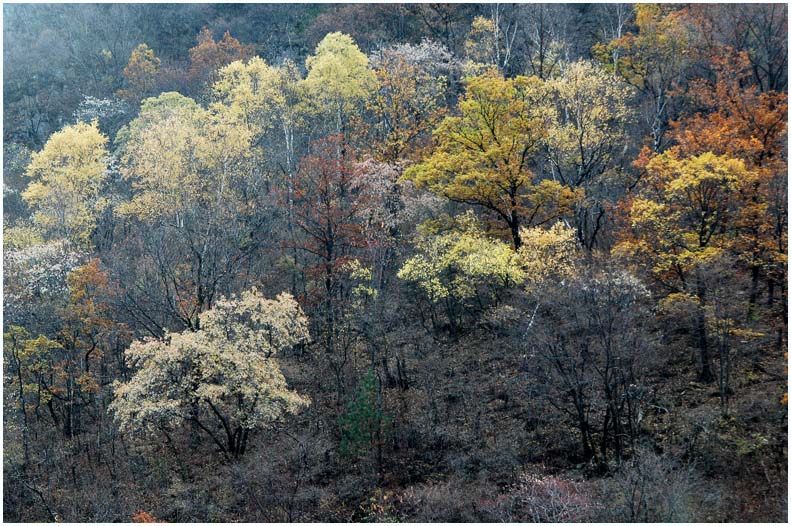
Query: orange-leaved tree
<point x="141" y="74"/>
<point x="738" y="120"/>
<point x="682" y="221"/>
<point x="209" y="56"/>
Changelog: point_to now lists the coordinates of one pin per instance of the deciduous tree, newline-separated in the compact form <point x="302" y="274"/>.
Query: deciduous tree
<point x="329" y="195"/>
<point x="408" y="104"/>
<point x="209" y="56"/>
<point x="458" y="263"/>
<point x="483" y="157"/>
<point x="740" y="121"/>
<point x="141" y="74"/>
<point x="681" y="222"/>
<point x="339" y="78"/>
<point x="194" y="203"/>
<point x="591" y="348"/>
<point x="656" y="59"/>
<point x="224" y="378"/>
<point x="586" y="139"/>
<point x="68" y="175"/>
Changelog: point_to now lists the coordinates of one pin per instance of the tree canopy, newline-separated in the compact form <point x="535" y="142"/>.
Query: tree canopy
<point x="395" y="262"/>
<point x="225" y="372"/>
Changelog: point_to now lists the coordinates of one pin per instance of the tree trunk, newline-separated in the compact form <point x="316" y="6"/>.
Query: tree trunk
<point x="706" y="374"/>
<point x="587" y="449"/>
<point x="514" y="226"/>
<point x="753" y="300"/>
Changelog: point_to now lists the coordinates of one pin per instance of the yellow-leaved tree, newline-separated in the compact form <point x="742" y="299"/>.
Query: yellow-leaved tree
<point x="160" y="156"/>
<point x="68" y="176"/>
<point x="548" y="257"/>
<point x="456" y="262"/>
<point x="140" y="74"/>
<point x="547" y="254"/>
<point x="483" y="157"/>
<point x="654" y="60"/>
<point x="461" y="268"/>
<point x="592" y="112"/>
<point x="407" y="105"/>
<point x="223" y="379"/>
<point x="178" y="155"/>
<point x="339" y="79"/>
<point x="587" y="138"/>
<point x="481" y="46"/>
<point x="267" y="99"/>
<point x="681" y="224"/>
<point x="195" y="204"/>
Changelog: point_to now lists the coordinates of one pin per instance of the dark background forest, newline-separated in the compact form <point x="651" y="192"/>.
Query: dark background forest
<point x="395" y="262"/>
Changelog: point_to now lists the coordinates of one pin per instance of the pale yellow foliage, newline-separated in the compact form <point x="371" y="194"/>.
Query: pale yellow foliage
<point x="363" y="277"/>
<point x="548" y="254"/>
<point x="457" y="263"/>
<point x="227" y="366"/>
<point x="339" y="77"/>
<point x="68" y="175"/>
<point x="260" y="95"/>
<point x="21" y="236"/>
<point x="589" y="125"/>
<point x="180" y="157"/>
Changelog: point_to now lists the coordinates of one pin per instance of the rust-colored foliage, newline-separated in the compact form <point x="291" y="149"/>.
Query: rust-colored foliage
<point x="144" y="516"/>
<point x="141" y="74"/>
<point x="760" y="31"/>
<point x="328" y="194"/>
<point x="208" y="56"/>
<point x="740" y="121"/>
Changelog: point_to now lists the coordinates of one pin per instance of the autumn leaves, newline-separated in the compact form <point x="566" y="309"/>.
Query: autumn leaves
<point x="313" y="174"/>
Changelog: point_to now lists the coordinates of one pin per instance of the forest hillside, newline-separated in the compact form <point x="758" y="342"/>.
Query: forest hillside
<point x="419" y="262"/>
